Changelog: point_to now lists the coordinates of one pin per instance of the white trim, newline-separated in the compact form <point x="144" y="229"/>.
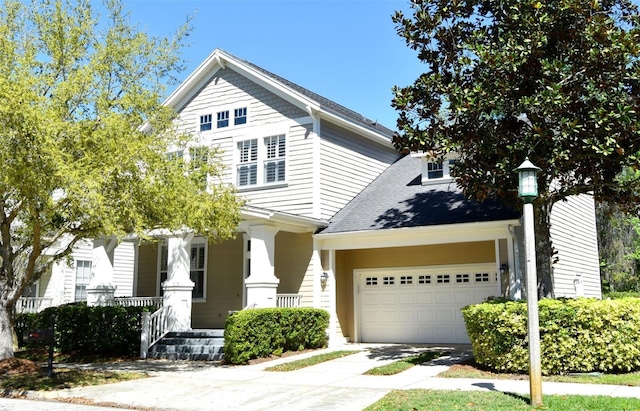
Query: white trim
<point x="261" y="159"/>
<point x="424" y="235"/>
<point x="315" y="164"/>
<point x="220" y="60"/>
<point x="498" y="263"/>
<point x="430" y="269"/>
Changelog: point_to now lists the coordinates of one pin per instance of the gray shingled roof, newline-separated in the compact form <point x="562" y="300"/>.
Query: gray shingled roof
<point x="397" y="199"/>
<point x="324" y="102"/>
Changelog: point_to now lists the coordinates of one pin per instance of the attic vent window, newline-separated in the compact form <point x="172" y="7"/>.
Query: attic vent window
<point x="205" y="122"/>
<point x="223" y="119"/>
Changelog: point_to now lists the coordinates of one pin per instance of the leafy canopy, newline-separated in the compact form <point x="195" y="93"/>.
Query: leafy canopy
<point x="84" y="137"/>
<point x="556" y="81"/>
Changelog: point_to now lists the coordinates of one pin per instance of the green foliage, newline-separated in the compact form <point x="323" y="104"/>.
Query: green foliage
<point x="85" y="139"/>
<point x="263" y="332"/>
<point x="558" y="82"/>
<point x="622" y="294"/>
<point x="619" y="248"/>
<point x="404" y="364"/>
<point x="436" y="400"/>
<point x="308" y="362"/>
<point x="107" y="330"/>
<point x="576" y="335"/>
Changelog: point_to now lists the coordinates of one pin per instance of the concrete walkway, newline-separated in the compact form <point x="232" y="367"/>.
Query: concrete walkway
<point x="333" y="385"/>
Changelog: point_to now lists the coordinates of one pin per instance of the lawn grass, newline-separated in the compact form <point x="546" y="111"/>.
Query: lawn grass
<point x="403" y="364"/>
<point x="307" y="362"/>
<point x="65" y="378"/>
<point x="430" y="400"/>
<point x="629" y="379"/>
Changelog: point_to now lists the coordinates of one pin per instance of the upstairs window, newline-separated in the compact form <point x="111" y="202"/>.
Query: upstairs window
<point x="248" y="163"/>
<point x="205" y="122"/>
<point x="198" y="157"/>
<point x="223" y="119"/>
<point x="275" y="163"/>
<point x="240" y="116"/>
<point x="261" y="162"/>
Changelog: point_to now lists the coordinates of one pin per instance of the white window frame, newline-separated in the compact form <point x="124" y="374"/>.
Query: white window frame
<point x="262" y="161"/>
<point x="196" y="242"/>
<point x="427" y="168"/>
<point x="231" y="111"/>
<point x="77" y="283"/>
<point x="207" y="116"/>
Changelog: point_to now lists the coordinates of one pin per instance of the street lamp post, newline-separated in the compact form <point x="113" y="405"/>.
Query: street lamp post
<point x="528" y="191"/>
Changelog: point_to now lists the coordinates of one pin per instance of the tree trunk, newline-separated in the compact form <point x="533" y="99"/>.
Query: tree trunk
<point x="545" y="253"/>
<point x="6" y="330"/>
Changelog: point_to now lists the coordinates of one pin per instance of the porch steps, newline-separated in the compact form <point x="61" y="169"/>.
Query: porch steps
<point x="198" y="345"/>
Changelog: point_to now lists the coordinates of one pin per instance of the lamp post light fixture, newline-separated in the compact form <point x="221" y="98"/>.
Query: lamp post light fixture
<point x="528" y="191"/>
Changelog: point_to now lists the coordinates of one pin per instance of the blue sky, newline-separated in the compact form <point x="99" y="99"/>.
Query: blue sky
<point x="345" y="50"/>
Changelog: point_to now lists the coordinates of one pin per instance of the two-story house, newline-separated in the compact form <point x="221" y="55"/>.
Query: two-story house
<point x="335" y="219"/>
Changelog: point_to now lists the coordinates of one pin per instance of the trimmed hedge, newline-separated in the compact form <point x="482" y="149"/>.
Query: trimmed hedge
<point x="112" y="330"/>
<point x="263" y="332"/>
<point x="576" y="335"/>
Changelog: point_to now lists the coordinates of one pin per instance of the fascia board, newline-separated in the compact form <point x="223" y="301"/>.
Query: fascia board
<point x="351" y="125"/>
<point x="415" y="236"/>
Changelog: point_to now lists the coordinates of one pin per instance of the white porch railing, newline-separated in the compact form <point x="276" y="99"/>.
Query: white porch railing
<point x="154" y="327"/>
<point x="28" y="305"/>
<point x="288" y="300"/>
<point x="138" y="301"/>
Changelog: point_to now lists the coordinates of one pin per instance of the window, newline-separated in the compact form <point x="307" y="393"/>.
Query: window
<point x="275" y="162"/>
<point x="435" y="170"/>
<point x="462" y="278"/>
<point x="424" y="279"/>
<point x="197" y="266"/>
<point x="270" y="153"/>
<point x="205" y="122"/>
<point x="388" y="280"/>
<point x="406" y="279"/>
<point x="482" y="277"/>
<point x="443" y="278"/>
<point x="83" y="276"/>
<point x="240" y="116"/>
<point x="223" y="119"/>
<point x="248" y="163"/>
<point x="371" y="281"/>
<point x="176" y="155"/>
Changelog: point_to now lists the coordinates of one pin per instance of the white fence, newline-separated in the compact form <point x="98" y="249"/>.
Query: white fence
<point x="288" y="300"/>
<point x="154" y="327"/>
<point x="28" y="305"/>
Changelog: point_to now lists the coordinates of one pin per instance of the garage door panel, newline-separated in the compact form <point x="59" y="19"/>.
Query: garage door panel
<point x="418" y="307"/>
<point x="425" y="297"/>
<point x="444" y="296"/>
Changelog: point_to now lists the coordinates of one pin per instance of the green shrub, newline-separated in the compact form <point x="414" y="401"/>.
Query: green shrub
<point x="111" y="330"/>
<point x="262" y="332"/>
<point x="622" y="294"/>
<point x="576" y="335"/>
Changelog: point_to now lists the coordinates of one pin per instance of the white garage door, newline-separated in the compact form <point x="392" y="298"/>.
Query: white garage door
<point x="421" y="305"/>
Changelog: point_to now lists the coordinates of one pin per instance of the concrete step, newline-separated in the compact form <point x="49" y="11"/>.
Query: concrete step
<point x="198" y="345"/>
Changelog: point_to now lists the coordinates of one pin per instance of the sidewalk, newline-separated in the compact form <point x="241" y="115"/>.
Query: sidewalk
<point x="333" y="385"/>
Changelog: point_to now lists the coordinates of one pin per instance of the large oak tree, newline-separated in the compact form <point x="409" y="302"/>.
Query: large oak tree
<point x="556" y="81"/>
<point x="84" y="141"/>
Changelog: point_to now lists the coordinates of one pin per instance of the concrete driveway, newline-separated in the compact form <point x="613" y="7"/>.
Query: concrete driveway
<point x="333" y="385"/>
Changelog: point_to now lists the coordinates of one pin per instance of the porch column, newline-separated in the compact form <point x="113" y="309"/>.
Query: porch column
<point x="334" y="339"/>
<point x="262" y="283"/>
<point x="100" y="290"/>
<point x="178" y="286"/>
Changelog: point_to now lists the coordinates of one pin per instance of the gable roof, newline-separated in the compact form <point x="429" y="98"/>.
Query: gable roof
<point x="397" y="199"/>
<point x="312" y="103"/>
